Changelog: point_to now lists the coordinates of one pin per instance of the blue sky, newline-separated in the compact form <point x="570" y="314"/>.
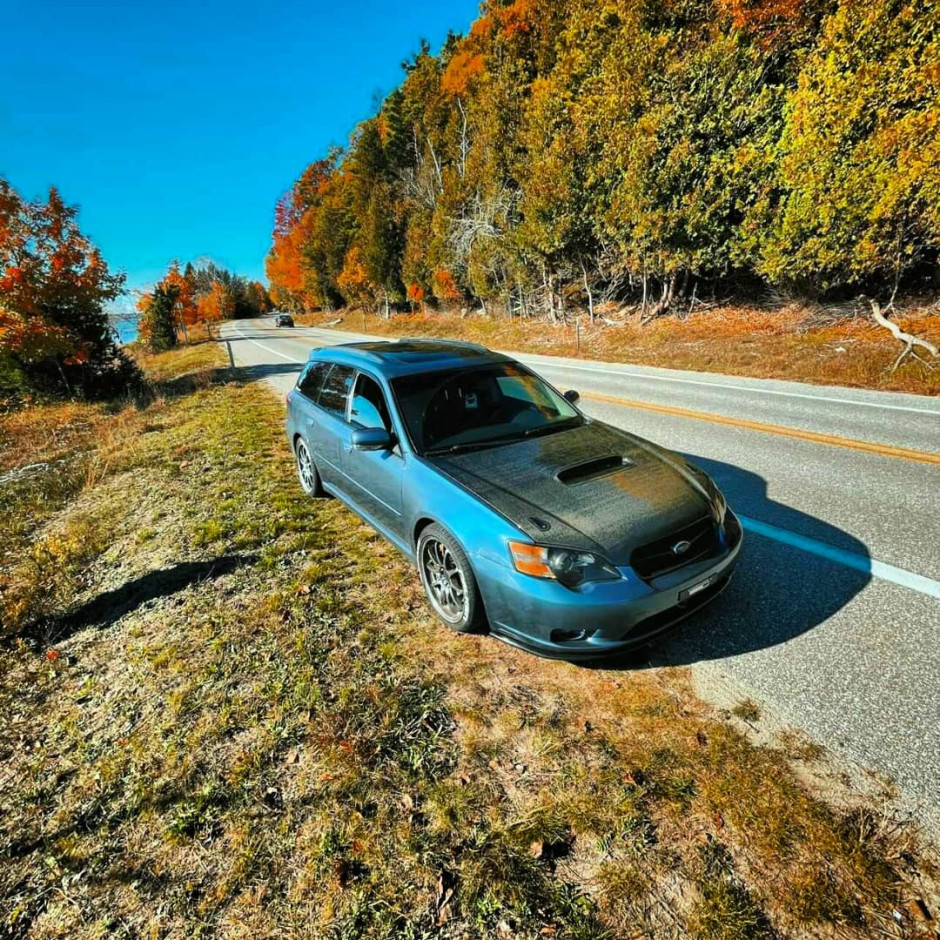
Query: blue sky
<point x="175" y="126"/>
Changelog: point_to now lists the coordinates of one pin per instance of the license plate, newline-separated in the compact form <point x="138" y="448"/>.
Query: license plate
<point x="689" y="593"/>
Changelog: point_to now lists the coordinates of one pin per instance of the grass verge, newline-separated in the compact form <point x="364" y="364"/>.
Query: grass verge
<point x="220" y="718"/>
<point x="801" y="344"/>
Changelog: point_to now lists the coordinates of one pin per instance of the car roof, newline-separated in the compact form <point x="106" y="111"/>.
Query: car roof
<point x="408" y="356"/>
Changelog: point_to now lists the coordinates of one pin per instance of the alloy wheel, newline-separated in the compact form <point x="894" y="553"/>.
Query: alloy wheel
<point x="447" y="589"/>
<point x="305" y="468"/>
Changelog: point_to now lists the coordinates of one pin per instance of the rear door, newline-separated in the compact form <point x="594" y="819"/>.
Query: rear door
<point x="304" y="404"/>
<point x="375" y="476"/>
<point x="327" y="425"/>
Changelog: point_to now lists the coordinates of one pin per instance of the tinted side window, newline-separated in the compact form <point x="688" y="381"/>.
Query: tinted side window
<point x="311" y="379"/>
<point x="368" y="405"/>
<point x="335" y="390"/>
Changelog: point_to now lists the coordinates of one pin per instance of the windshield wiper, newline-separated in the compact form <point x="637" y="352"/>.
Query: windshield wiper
<point x="572" y="422"/>
<point x="458" y="448"/>
<point x="506" y="438"/>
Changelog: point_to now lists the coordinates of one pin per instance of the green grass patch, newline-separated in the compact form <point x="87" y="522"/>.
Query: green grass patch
<point x="235" y="725"/>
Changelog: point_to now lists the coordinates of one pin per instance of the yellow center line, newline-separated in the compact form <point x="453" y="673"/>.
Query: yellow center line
<point x="883" y="450"/>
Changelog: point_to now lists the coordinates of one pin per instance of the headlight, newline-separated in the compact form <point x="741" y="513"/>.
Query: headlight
<point x="567" y="566"/>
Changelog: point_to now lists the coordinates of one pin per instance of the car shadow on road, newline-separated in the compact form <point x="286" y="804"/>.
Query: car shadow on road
<point x="778" y="591"/>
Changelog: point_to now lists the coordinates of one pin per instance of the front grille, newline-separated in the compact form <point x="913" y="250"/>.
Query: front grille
<point x="656" y="558"/>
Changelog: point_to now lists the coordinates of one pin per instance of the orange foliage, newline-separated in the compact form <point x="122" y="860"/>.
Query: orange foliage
<point x="53" y="281"/>
<point x="767" y="19"/>
<point x="284" y="264"/>
<point x="445" y="285"/>
<point x="353" y="279"/>
<point x="186" y="309"/>
<point x="519" y="17"/>
<point x="461" y="70"/>
<point x="31" y="339"/>
<point x="218" y="304"/>
<point x="482" y="28"/>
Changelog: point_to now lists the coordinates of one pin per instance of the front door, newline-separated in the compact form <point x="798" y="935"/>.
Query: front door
<point x="374" y="476"/>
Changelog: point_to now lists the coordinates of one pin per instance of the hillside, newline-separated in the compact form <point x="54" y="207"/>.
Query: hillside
<point x="634" y="158"/>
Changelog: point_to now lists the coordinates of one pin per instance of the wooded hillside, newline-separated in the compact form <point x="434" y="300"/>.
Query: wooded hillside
<point x="568" y="153"/>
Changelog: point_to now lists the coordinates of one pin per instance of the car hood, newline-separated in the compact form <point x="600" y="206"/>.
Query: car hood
<point x="593" y="488"/>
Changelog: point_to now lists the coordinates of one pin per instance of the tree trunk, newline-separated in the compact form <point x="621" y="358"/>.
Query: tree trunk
<point x="65" y="381"/>
<point x="662" y="305"/>
<point x="590" y="295"/>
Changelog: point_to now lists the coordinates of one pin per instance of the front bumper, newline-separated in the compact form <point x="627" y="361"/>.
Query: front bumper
<point x="605" y="618"/>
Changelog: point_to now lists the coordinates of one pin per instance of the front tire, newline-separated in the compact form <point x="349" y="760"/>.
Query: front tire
<point x="307" y="471"/>
<point x="448" y="580"/>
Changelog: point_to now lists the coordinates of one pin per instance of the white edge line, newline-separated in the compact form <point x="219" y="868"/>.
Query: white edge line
<point x="871" y="566"/>
<point x="268" y="348"/>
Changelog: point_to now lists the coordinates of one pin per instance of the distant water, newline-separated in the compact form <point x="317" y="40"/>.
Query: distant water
<point x="126" y="328"/>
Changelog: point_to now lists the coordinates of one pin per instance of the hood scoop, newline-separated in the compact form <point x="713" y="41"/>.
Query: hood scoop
<point x="592" y="469"/>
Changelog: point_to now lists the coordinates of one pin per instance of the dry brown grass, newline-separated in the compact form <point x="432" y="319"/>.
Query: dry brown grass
<point x="226" y="722"/>
<point x="798" y="343"/>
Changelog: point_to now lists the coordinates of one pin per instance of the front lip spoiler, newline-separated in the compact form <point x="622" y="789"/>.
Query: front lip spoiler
<point x="671" y="618"/>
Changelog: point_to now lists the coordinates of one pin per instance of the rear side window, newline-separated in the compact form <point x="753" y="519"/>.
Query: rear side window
<point x="311" y="379"/>
<point x="335" y="391"/>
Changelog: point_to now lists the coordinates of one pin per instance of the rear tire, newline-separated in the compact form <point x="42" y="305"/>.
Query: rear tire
<point x="307" y="470"/>
<point x="448" y="580"/>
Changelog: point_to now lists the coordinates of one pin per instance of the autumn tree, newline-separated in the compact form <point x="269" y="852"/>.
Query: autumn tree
<point x="565" y="153"/>
<point x="199" y="294"/>
<point x="54" y="288"/>
<point x="860" y="154"/>
<point x="159" y="324"/>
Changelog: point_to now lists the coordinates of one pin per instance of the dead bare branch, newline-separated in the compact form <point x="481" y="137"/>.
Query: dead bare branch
<point x="909" y="340"/>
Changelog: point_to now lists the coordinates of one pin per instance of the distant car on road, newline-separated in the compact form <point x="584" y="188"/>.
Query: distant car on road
<point x="283" y="319"/>
<point x="573" y="539"/>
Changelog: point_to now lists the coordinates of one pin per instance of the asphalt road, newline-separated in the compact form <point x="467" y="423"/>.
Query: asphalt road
<point x="833" y="619"/>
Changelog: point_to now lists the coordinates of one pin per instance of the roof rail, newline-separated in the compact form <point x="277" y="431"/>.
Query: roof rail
<point x="465" y="344"/>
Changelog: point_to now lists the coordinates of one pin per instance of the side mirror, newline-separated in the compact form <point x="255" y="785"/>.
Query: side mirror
<point x="372" y="439"/>
<point x="573" y="396"/>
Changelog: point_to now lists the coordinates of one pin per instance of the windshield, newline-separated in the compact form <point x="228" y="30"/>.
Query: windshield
<point x="461" y="409"/>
